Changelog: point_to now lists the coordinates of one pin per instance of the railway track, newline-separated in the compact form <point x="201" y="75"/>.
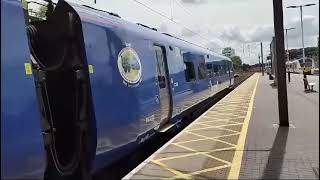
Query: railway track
<point x="122" y="167"/>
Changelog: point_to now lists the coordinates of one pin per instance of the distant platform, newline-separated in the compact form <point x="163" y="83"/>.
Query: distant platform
<point x="239" y="138"/>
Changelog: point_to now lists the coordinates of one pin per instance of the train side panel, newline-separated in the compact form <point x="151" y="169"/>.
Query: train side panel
<point x="22" y="149"/>
<point x="124" y="111"/>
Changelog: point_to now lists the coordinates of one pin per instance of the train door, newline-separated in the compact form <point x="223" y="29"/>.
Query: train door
<point x="229" y="71"/>
<point x="164" y="85"/>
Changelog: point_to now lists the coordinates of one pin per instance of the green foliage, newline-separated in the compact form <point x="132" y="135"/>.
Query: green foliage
<point x="24" y="4"/>
<point x="237" y="63"/>
<point x="245" y="67"/>
<point x="42" y="11"/>
<point x="297" y="53"/>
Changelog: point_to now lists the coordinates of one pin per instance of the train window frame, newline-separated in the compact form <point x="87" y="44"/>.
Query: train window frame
<point x="215" y="69"/>
<point x="189" y="72"/>
<point x="202" y="71"/>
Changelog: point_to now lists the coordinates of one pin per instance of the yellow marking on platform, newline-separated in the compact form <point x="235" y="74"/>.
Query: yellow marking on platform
<point x="213" y="138"/>
<point x="237" y="159"/>
<point x="178" y="173"/>
<point x="194" y="153"/>
<point x="236" y="123"/>
<point x="209" y="169"/>
<point x="227" y="129"/>
<point x="203" y="153"/>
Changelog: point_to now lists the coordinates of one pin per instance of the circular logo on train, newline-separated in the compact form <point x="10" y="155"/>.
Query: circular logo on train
<point x="129" y="65"/>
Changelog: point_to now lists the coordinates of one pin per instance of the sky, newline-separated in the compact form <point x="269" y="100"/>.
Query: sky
<point x="240" y="24"/>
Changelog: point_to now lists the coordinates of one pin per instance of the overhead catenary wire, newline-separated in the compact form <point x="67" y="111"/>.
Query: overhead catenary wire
<point x="180" y="24"/>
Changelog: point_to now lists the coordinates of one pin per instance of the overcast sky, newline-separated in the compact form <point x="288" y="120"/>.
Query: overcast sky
<point x="215" y="24"/>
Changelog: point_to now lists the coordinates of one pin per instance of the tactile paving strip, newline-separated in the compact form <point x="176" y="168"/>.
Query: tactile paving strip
<point x="207" y="147"/>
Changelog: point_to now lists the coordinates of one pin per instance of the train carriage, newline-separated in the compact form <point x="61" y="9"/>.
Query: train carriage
<point x="298" y="66"/>
<point x="103" y="86"/>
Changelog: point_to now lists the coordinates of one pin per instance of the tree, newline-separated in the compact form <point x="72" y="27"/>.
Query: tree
<point x="236" y="60"/>
<point x="24" y="4"/>
<point x="245" y="67"/>
<point x="42" y="12"/>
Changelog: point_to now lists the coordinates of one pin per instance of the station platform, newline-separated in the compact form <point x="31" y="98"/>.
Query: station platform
<point x="239" y="138"/>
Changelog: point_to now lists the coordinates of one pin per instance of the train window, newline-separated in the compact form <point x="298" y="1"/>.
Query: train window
<point x="222" y="69"/>
<point x="215" y="68"/>
<point x="209" y="70"/>
<point x="189" y="72"/>
<point x="202" y="71"/>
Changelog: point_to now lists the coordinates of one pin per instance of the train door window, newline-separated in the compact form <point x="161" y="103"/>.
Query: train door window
<point x="221" y="69"/>
<point x="160" y="67"/>
<point x="202" y="71"/>
<point x="228" y="68"/>
<point x="216" y="69"/>
<point x="189" y="72"/>
<point x="231" y="67"/>
<point x="225" y="68"/>
<point x="209" y="70"/>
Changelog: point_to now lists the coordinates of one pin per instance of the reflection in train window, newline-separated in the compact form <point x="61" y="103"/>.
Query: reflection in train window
<point x="215" y="68"/>
<point x="209" y="70"/>
<point x="202" y="71"/>
<point x="189" y="72"/>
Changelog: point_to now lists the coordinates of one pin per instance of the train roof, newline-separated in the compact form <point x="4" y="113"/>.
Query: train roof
<point x="107" y="19"/>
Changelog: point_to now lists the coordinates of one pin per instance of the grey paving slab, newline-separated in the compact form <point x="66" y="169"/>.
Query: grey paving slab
<point x="283" y="153"/>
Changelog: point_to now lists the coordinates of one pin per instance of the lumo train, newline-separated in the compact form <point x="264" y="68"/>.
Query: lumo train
<point x="298" y="66"/>
<point x="84" y="88"/>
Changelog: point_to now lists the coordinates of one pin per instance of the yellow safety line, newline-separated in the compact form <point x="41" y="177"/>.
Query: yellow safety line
<point x="210" y="138"/>
<point x="227" y="129"/>
<point x="203" y="153"/>
<point x="237" y="159"/>
<point x="210" y="126"/>
<point x="193" y="153"/>
<point x="216" y="137"/>
<point x="178" y="173"/>
<point x="209" y="169"/>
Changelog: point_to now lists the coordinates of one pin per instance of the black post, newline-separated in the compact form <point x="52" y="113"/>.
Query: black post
<point x="289" y="76"/>
<point x="280" y="63"/>
<point x="262" y="60"/>
<point x="259" y="64"/>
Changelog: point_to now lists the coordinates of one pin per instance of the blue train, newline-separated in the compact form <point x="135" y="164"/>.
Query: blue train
<point x="84" y="88"/>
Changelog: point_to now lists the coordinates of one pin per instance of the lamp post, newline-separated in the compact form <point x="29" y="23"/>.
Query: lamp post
<point x="301" y="6"/>
<point x="288" y="29"/>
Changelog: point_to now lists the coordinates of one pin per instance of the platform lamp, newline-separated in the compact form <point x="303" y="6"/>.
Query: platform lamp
<point x="301" y="6"/>
<point x="288" y="29"/>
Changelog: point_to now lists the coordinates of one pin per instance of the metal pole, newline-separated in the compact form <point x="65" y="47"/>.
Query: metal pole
<point x="280" y="63"/>
<point x="171" y="4"/>
<point x="303" y="54"/>
<point x="259" y="63"/>
<point x="262" y="60"/>
<point x="287" y="45"/>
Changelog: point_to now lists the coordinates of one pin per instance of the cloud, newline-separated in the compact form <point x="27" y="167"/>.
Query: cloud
<point x="310" y="26"/>
<point x="163" y="27"/>
<point x="233" y="33"/>
<point x="188" y="33"/>
<point x="193" y="1"/>
<point x="261" y="33"/>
